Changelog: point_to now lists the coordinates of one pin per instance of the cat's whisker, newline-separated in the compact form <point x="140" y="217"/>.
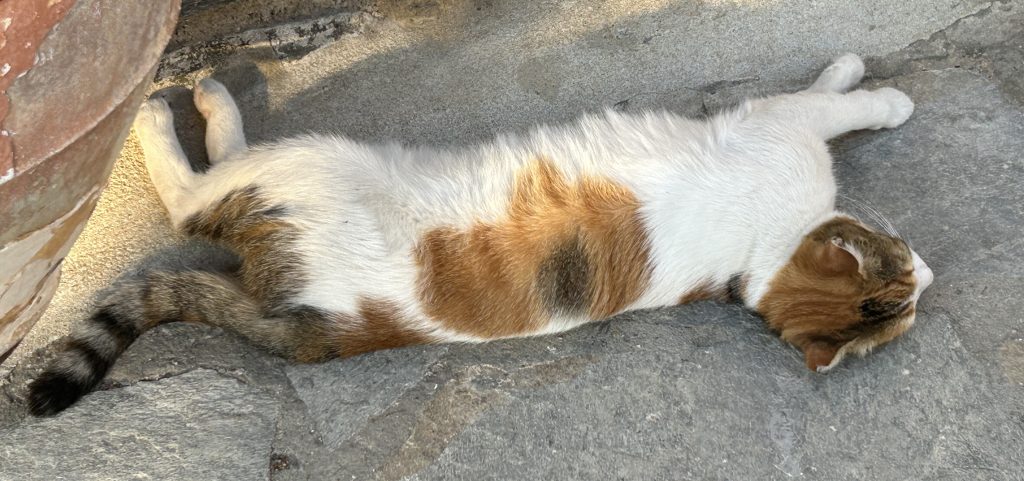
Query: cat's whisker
<point x="861" y="211"/>
<point x="874" y="215"/>
<point x="886" y="224"/>
<point x="889" y="227"/>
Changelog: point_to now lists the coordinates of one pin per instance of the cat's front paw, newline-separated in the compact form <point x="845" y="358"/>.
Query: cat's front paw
<point x="899" y="105"/>
<point x="847" y="69"/>
<point x="843" y="74"/>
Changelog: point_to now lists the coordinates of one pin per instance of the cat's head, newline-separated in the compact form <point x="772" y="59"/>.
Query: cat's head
<point x="846" y="289"/>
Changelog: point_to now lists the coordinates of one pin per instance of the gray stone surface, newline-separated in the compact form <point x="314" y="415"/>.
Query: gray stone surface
<point x="197" y="425"/>
<point x="697" y="392"/>
<point x="358" y="390"/>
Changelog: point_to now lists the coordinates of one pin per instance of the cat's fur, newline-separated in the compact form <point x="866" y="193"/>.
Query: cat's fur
<point x="350" y="247"/>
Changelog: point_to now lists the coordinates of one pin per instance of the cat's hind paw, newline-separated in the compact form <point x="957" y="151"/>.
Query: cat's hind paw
<point x="224" y="135"/>
<point x="211" y="96"/>
<point x="154" y="117"/>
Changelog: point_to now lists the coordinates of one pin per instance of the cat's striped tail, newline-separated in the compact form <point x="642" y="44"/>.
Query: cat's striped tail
<point x="156" y="298"/>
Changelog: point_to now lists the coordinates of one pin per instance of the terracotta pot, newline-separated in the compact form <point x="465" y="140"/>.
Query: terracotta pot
<point x="72" y="75"/>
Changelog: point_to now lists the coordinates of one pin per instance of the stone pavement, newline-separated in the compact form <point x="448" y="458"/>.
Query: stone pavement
<point x="696" y="392"/>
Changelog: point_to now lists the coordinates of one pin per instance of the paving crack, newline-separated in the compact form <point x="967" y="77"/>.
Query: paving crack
<point x="111" y="385"/>
<point x="714" y="87"/>
<point x="287" y="41"/>
<point x="938" y="51"/>
<point x="292" y="427"/>
<point x="982" y="12"/>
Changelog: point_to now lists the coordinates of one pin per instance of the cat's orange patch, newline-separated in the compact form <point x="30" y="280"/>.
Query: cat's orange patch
<point x="704" y="291"/>
<point x="732" y="291"/>
<point x="563" y="248"/>
<point x="802" y="304"/>
<point x="379" y="325"/>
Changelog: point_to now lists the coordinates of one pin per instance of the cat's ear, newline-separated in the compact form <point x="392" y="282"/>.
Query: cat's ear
<point x="840" y="257"/>
<point x="819" y="355"/>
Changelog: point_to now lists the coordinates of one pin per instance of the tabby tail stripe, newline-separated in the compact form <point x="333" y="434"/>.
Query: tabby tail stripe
<point x="83" y="362"/>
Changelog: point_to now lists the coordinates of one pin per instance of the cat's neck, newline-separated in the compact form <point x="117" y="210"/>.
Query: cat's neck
<point x="696" y="249"/>
<point x="729" y="215"/>
<point x="773" y="251"/>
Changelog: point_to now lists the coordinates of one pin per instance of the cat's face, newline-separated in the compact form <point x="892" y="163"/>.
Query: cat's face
<point x="846" y="289"/>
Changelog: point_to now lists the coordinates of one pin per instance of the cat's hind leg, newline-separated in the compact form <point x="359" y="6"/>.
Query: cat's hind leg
<point x="224" y="135"/>
<point x="168" y="166"/>
<point x="845" y="72"/>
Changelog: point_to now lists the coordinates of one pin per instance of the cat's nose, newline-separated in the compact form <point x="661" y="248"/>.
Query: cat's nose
<point x="922" y="274"/>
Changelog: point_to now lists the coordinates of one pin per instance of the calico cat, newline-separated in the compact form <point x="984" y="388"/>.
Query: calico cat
<point x="350" y="247"/>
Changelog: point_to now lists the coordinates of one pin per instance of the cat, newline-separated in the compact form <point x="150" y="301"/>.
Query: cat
<point x="350" y="247"/>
